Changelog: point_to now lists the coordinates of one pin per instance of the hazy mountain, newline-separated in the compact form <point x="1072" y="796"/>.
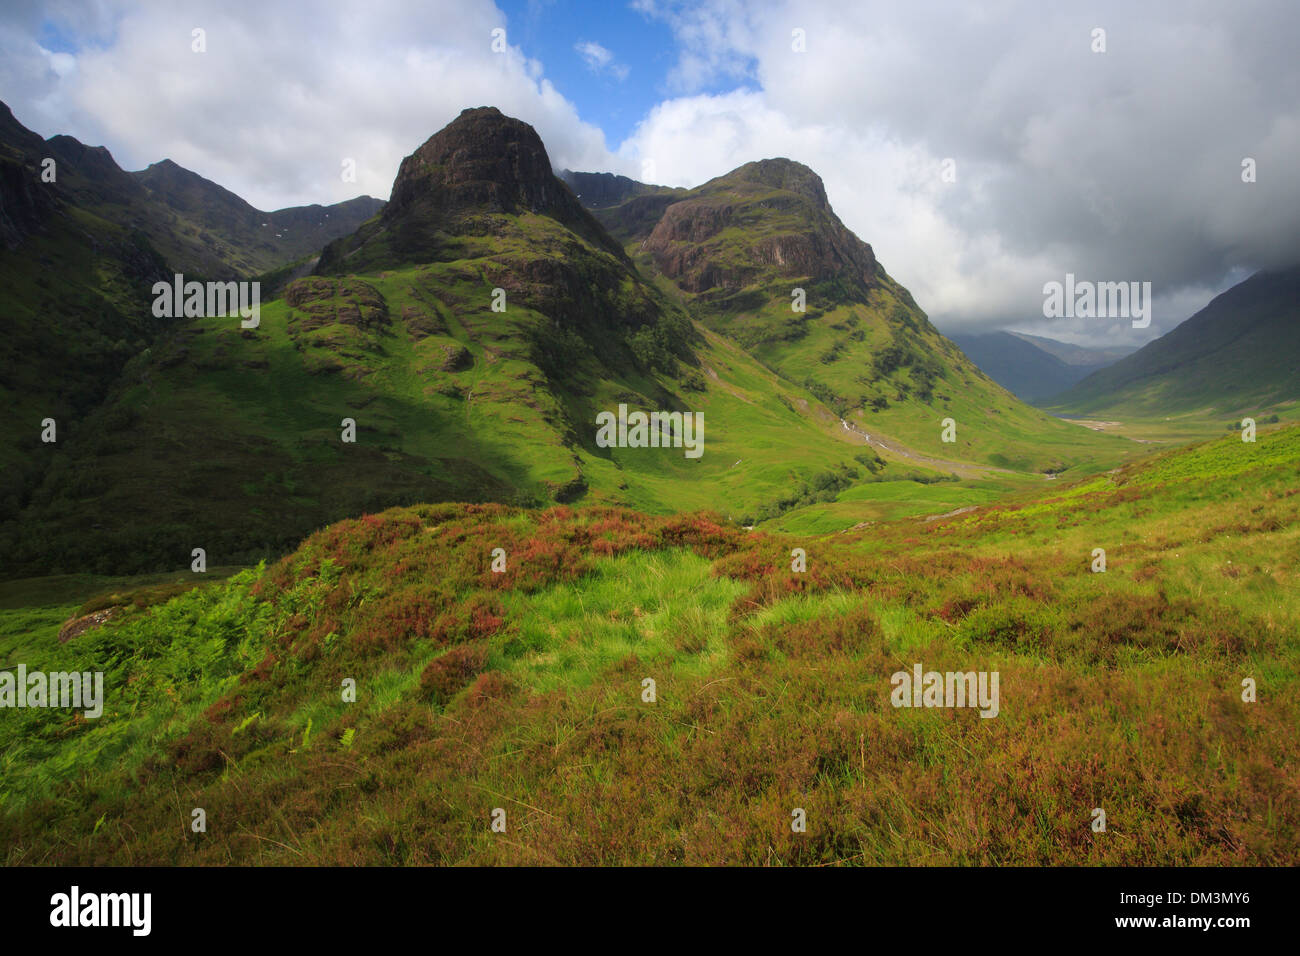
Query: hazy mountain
<point x="1031" y="367"/>
<point x="1080" y="356"/>
<point x="1240" y="354"/>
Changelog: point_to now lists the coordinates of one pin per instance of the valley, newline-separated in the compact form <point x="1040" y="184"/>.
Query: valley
<point x="452" y="580"/>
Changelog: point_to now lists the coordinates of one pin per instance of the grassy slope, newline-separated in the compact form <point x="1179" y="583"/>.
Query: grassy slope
<point x="70" y="300"/>
<point x="1236" y="357"/>
<point x="872" y="357"/>
<point x="230" y="440"/>
<point x="522" y="690"/>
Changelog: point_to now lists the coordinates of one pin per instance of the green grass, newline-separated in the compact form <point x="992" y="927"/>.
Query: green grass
<point x="662" y="608"/>
<point x="523" y="689"/>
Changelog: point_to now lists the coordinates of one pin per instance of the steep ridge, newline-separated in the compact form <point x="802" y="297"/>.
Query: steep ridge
<point x="598" y="190"/>
<point x="24" y="204"/>
<point x="211" y="231"/>
<point x="73" y="301"/>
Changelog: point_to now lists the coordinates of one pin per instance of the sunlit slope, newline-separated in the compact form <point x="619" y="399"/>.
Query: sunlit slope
<point x="460" y="345"/>
<point x="232" y="439"/>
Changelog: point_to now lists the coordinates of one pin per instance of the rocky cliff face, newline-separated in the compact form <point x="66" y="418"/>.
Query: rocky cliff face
<point x="481" y="164"/>
<point x="481" y="190"/>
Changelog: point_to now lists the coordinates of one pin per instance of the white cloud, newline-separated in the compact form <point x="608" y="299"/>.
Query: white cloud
<point x="600" y="60"/>
<point x="280" y="99"/>
<point x="60" y="63"/>
<point x="1123" y="165"/>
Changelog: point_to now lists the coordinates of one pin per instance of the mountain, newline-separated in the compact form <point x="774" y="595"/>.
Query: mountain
<point x="473" y="331"/>
<point x="1078" y="356"/>
<point x="598" y="190"/>
<point x="79" y="254"/>
<point x="1030" y="367"/>
<point x="220" y="235"/>
<point x="1237" y="356"/>
<point x="200" y="228"/>
<point x="739" y="249"/>
<point x="24" y="203"/>
<point x="73" y="301"/>
<point x="232" y="437"/>
<point x="448" y="192"/>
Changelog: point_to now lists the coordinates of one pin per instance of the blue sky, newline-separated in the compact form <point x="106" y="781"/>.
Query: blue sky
<point x="614" y="95"/>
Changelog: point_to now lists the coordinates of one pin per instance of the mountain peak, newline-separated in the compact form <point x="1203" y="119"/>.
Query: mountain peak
<point x="166" y="169"/>
<point x="781" y="173"/>
<point x="481" y="164"/>
<point x="711" y="239"/>
<point x="482" y="157"/>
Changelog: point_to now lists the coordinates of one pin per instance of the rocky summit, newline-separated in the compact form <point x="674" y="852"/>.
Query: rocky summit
<point x="480" y="166"/>
<point x="706" y="240"/>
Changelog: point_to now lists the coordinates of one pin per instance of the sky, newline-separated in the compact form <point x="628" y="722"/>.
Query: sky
<point x="982" y="149"/>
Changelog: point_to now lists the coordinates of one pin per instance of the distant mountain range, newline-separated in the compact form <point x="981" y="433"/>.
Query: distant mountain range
<point x="200" y="228"/>
<point x="1032" y="367"/>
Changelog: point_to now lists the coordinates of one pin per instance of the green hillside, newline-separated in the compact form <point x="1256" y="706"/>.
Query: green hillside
<point x="70" y="303"/>
<point x="524" y="690"/>
<point x="1234" y="358"/>
<point x="79" y="254"/>
<point x="473" y="330"/>
<point x="734" y="251"/>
